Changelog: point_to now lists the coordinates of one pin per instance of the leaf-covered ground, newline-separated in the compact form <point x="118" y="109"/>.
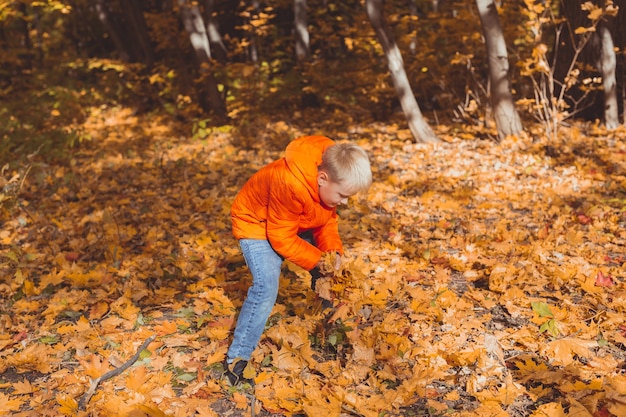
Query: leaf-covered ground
<point x="481" y="279"/>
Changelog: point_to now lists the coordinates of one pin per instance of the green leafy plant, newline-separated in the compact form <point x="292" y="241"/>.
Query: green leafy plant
<point x="549" y="326"/>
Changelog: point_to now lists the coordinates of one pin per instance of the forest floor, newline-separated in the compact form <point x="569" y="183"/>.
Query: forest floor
<point x="480" y="278"/>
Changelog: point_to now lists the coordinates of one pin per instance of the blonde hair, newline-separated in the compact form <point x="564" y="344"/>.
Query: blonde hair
<point x="348" y="164"/>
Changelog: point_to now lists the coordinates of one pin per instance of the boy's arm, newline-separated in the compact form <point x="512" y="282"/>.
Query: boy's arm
<point x="327" y="237"/>
<point x="283" y="218"/>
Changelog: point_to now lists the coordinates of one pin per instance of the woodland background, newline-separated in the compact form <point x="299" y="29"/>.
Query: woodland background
<point x="484" y="273"/>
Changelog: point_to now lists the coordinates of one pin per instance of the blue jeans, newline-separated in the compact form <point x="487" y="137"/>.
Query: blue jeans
<point x="265" y="266"/>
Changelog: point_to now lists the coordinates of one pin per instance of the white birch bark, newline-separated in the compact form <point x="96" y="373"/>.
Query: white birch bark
<point x="506" y="117"/>
<point x="418" y="126"/>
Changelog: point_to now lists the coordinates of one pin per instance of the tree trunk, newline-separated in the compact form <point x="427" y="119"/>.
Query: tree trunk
<point x="507" y="119"/>
<point x="417" y="124"/>
<point x="303" y="50"/>
<point x="215" y="38"/>
<point x="104" y="14"/>
<point x="194" y="25"/>
<point x="26" y="55"/>
<point x="253" y="48"/>
<point x="606" y="65"/>
<point x="139" y="41"/>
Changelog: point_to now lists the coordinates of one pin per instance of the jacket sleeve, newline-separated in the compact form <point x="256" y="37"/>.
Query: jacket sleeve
<point x="327" y="237"/>
<point x="283" y="216"/>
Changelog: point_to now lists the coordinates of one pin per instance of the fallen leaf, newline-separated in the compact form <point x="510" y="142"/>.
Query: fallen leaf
<point x="603" y="280"/>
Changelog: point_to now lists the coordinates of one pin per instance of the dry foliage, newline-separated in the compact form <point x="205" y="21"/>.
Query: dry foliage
<point x="480" y="279"/>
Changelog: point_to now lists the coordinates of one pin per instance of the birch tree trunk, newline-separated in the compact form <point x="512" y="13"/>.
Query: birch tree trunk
<point x="606" y="65"/>
<point x="507" y="119"/>
<point x="417" y="124"/>
<point x="194" y="25"/>
<point x="303" y="50"/>
<point x="216" y="42"/>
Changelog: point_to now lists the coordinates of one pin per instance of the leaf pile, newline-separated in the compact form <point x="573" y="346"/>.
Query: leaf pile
<point x="480" y="279"/>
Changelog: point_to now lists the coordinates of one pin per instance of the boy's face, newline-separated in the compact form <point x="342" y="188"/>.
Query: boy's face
<point x="332" y="193"/>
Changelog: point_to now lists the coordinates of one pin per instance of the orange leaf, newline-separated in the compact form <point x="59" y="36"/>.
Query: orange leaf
<point x="69" y="406"/>
<point x="166" y="327"/>
<point x="34" y="357"/>
<point x="562" y="351"/>
<point x="98" y="310"/>
<point x="24" y="387"/>
<point x="7" y="405"/>
<point x="93" y="365"/>
<point x="137" y="379"/>
<point x="241" y="401"/>
<point x="603" y="280"/>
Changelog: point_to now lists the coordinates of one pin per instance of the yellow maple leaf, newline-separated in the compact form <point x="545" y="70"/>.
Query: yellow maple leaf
<point x="151" y="409"/>
<point x="617" y="383"/>
<point x="98" y="310"/>
<point x="7" y="404"/>
<point x="549" y="410"/>
<point x="137" y="380"/>
<point x="205" y="411"/>
<point x="594" y="385"/>
<point x="530" y="366"/>
<point x="36" y="357"/>
<point x="319" y="403"/>
<point x="125" y="308"/>
<point x="562" y="351"/>
<point x="166" y="327"/>
<point x="437" y="406"/>
<point x="617" y="408"/>
<point x="504" y="393"/>
<point x="240" y="400"/>
<point x="93" y="365"/>
<point x="490" y="409"/>
<point x="23" y="387"/>
<point x="365" y="405"/>
<point x="87" y="279"/>
<point x="68" y="405"/>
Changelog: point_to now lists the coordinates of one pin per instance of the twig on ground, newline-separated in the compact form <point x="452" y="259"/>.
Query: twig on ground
<point x="94" y="384"/>
<point x="350" y="410"/>
<point x="252" y="401"/>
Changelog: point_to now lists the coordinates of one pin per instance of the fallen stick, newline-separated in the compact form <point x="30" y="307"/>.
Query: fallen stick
<point x="94" y="384"/>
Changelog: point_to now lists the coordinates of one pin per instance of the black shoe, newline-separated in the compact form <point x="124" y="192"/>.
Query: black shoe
<point x="321" y="305"/>
<point x="326" y="304"/>
<point x="234" y="372"/>
<point x="316" y="274"/>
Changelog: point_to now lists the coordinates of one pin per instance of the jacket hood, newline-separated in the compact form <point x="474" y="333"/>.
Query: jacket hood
<point x="303" y="156"/>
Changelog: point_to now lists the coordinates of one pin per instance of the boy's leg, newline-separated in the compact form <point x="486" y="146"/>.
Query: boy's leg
<point x="264" y="264"/>
<point x="315" y="272"/>
<point x="315" y="275"/>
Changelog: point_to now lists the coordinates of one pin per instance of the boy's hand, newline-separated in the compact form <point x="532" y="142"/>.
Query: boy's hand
<point x="329" y="263"/>
<point x="337" y="261"/>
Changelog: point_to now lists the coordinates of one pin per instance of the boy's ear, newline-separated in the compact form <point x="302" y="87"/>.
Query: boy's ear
<point x="322" y="178"/>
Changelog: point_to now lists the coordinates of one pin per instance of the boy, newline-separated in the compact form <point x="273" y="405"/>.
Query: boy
<point x="296" y="194"/>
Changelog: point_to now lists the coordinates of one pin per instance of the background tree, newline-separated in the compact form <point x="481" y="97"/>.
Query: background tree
<point x="218" y="48"/>
<point x="606" y="64"/>
<point x="417" y="124"/>
<point x="507" y="119"/>
<point x="585" y="61"/>
<point x="125" y="24"/>
<point x="142" y="55"/>
<point x="303" y="50"/>
<point x="195" y="27"/>
<point x="24" y="34"/>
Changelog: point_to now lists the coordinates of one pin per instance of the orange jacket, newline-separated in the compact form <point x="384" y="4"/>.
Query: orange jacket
<point x="281" y="200"/>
